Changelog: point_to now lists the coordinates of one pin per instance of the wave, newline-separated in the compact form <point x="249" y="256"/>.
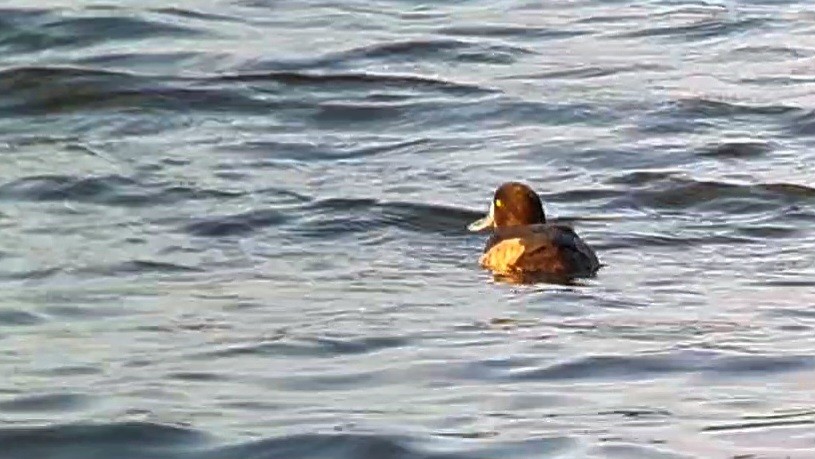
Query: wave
<point x="44" y="402"/>
<point x="366" y="79"/>
<point x="308" y="152"/>
<point x="400" y="52"/>
<point x="32" y="29"/>
<point x="651" y="191"/>
<point x="589" y="72"/>
<point x="60" y="89"/>
<point x="124" y="440"/>
<point x="283" y="345"/>
<point x="142" y="440"/>
<point x="335" y="217"/>
<point x="736" y="150"/>
<point x="237" y="224"/>
<point x="443" y="49"/>
<point x="109" y="189"/>
<point x="665" y="364"/>
<point x="705" y="28"/>
<point x="17" y="317"/>
<point x="141" y="267"/>
<point x="510" y="31"/>
<point x="34" y="91"/>
<point x="669" y="191"/>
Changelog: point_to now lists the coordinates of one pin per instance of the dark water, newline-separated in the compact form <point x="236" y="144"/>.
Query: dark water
<point x="236" y="229"/>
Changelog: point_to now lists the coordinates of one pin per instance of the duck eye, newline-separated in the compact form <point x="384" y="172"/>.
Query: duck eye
<point x="498" y="203"/>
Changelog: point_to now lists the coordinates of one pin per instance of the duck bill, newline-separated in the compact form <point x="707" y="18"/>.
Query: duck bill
<point x="484" y="223"/>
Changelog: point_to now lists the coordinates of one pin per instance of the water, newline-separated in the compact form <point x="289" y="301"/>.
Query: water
<point x="237" y="229"/>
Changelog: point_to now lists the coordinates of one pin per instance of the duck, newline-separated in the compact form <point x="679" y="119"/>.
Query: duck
<point x="524" y="247"/>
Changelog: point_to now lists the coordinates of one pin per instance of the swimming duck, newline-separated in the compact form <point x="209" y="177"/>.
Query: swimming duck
<point x="523" y="247"/>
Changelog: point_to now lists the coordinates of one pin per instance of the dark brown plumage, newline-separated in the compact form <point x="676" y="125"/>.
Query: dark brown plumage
<point x="524" y="247"/>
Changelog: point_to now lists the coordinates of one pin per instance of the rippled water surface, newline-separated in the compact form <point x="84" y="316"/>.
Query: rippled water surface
<point x="237" y="228"/>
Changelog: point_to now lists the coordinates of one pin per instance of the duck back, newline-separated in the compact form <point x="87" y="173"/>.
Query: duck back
<point x="548" y="249"/>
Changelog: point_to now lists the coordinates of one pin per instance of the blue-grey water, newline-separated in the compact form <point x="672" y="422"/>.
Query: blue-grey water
<point x="237" y="229"/>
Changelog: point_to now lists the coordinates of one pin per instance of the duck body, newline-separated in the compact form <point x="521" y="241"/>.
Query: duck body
<point x="524" y="247"/>
<point x="544" y="249"/>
